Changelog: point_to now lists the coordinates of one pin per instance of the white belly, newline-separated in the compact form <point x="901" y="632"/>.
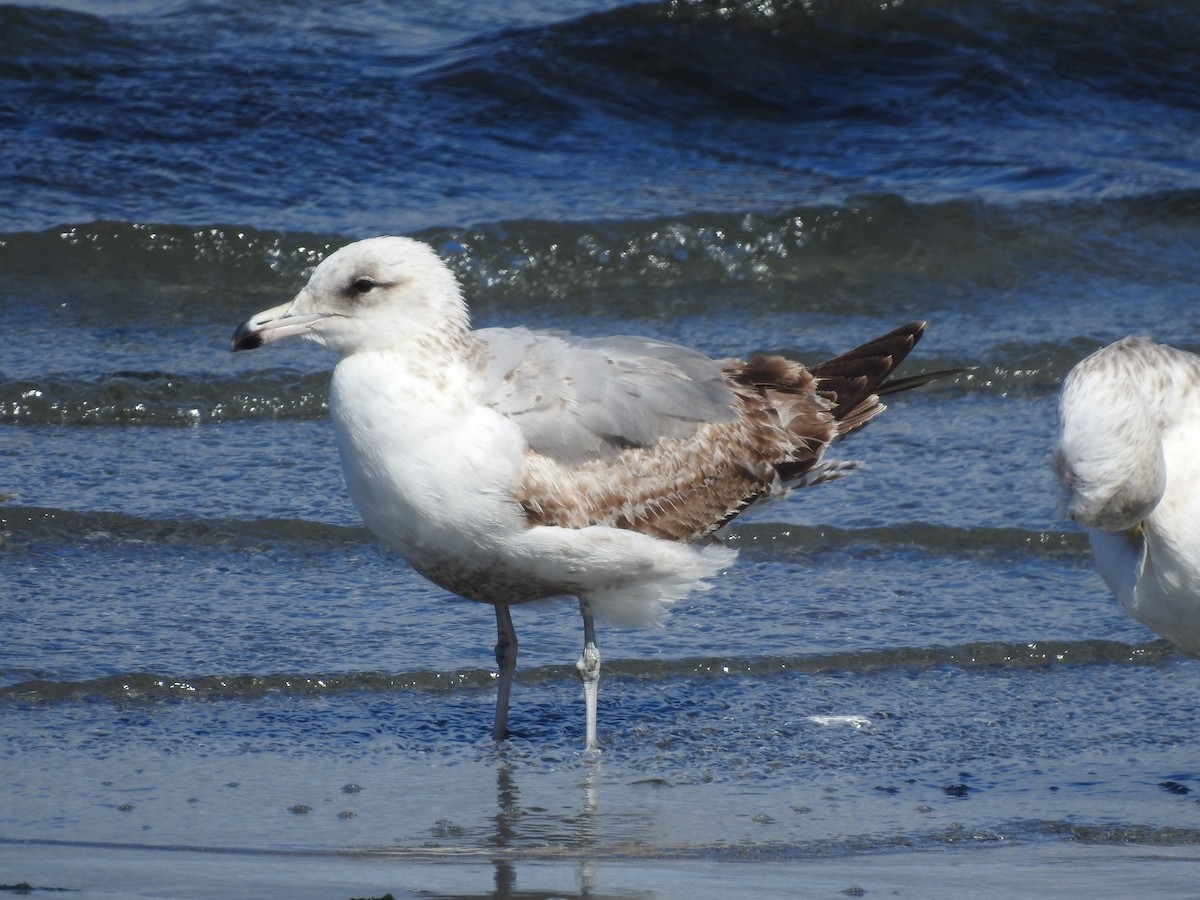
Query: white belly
<point x="433" y="480"/>
<point x="1157" y="578"/>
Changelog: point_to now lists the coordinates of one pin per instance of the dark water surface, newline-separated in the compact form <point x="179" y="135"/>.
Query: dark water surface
<point x="204" y="650"/>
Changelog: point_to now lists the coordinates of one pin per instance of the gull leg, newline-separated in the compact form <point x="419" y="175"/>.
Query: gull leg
<point x="506" y="659"/>
<point x="589" y="671"/>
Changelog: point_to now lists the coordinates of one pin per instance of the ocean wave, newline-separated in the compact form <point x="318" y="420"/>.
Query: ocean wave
<point x="147" y="270"/>
<point x="768" y="539"/>
<point x="158" y="398"/>
<point x="122" y="269"/>
<point x="157" y="687"/>
<point x="626" y="110"/>
<point x="27" y="526"/>
<point x="22" y="526"/>
<point x="835" y="59"/>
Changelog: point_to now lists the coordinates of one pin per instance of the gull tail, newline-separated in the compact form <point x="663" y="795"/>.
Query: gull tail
<point x="628" y="578"/>
<point x="668" y="572"/>
<point x="854" y="381"/>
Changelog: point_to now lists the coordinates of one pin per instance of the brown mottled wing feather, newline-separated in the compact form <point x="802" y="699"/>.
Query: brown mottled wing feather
<point x="684" y="487"/>
<point x="788" y="398"/>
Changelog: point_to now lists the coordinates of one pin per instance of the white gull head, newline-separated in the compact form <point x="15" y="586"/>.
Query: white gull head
<point x="379" y="294"/>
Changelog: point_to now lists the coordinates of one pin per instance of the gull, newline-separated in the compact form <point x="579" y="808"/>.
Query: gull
<point x="1125" y="452"/>
<point x="508" y="465"/>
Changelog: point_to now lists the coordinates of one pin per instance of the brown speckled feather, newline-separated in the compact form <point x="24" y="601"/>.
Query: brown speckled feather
<point x="683" y="488"/>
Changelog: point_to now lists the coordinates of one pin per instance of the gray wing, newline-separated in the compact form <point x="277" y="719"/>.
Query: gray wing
<point x="582" y="398"/>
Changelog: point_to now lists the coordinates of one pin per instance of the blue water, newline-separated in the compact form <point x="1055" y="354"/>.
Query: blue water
<point x="202" y="647"/>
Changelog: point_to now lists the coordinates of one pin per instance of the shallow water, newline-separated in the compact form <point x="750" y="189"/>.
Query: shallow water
<point x="204" y="650"/>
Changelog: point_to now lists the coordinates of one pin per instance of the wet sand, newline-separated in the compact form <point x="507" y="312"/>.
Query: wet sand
<point x="90" y="872"/>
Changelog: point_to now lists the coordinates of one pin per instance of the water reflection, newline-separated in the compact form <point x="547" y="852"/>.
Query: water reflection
<point x="516" y="843"/>
<point x="506" y="820"/>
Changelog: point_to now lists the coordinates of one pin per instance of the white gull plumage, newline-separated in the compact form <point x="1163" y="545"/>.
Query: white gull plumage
<point x="508" y="465"/>
<point x="1126" y="453"/>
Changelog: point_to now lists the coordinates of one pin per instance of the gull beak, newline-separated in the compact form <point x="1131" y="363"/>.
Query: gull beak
<point x="272" y="325"/>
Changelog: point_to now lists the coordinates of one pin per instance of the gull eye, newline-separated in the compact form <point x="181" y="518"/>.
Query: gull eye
<point x="363" y="285"/>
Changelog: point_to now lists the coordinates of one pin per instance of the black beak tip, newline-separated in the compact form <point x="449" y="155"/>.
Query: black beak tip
<point x="245" y="339"/>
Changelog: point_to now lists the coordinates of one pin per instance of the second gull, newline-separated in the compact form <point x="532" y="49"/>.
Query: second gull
<point x="1125" y="451"/>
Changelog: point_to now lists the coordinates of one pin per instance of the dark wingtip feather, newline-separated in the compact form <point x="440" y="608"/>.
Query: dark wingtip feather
<point x="896" y="385"/>
<point x="853" y="380"/>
